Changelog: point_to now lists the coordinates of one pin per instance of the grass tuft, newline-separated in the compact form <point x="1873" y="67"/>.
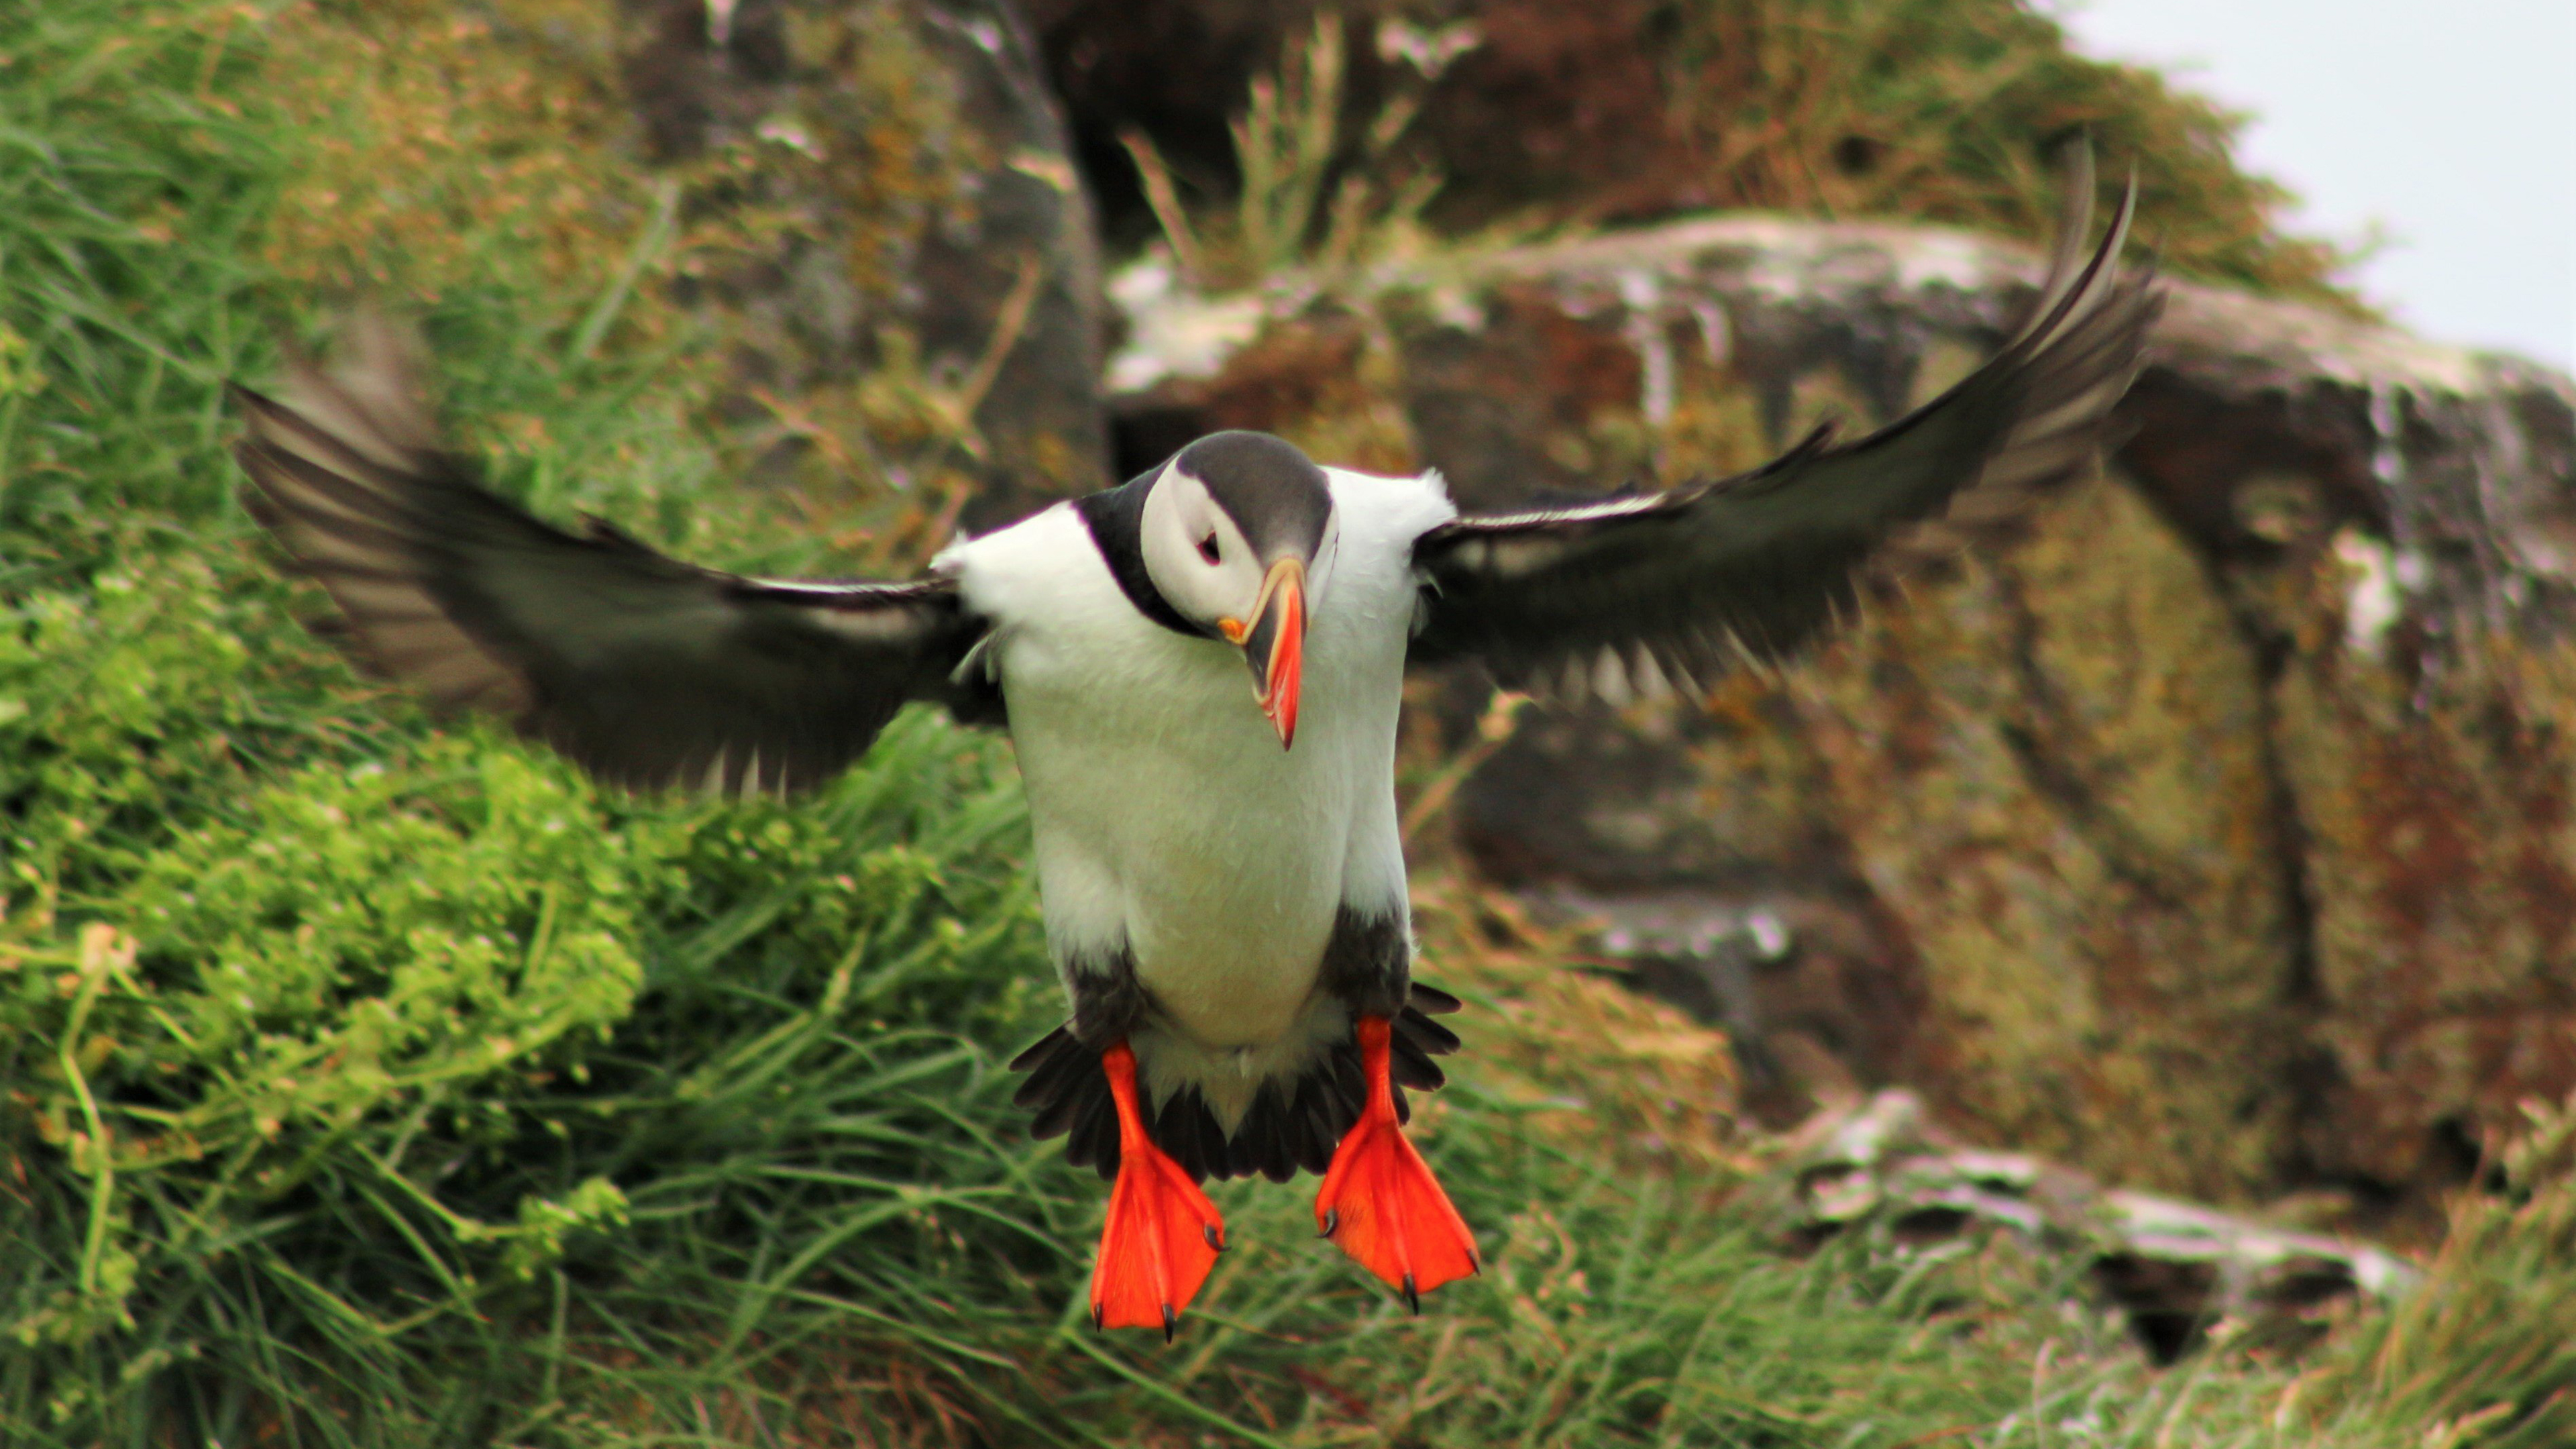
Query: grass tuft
<point x="1932" y="110"/>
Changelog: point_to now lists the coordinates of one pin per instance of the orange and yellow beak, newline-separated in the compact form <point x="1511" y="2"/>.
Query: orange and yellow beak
<point x="1274" y="644"/>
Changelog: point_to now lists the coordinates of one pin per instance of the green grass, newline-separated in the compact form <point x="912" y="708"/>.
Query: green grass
<point x="368" y="1082"/>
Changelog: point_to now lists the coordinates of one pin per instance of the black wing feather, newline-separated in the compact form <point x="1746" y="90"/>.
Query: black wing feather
<point x="646" y="671"/>
<point x="1686" y="584"/>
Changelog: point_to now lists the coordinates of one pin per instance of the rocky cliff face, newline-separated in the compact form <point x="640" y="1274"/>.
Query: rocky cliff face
<point x="2214" y="834"/>
<point x="856" y="222"/>
<point x="899" y="170"/>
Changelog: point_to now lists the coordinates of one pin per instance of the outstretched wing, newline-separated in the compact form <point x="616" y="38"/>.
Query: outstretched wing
<point x="646" y="671"/>
<point x="1684" y="584"/>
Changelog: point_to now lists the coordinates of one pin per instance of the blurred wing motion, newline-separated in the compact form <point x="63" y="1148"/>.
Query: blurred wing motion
<point x="1681" y="585"/>
<point x="646" y="671"/>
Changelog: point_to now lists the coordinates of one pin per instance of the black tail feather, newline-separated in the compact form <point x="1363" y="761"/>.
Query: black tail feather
<point x="1289" y="1127"/>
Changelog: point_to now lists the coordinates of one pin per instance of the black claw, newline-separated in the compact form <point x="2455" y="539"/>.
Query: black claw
<point x="1412" y="1299"/>
<point x="1171" y="1322"/>
<point x="1208" y="1231"/>
<point x="1332" y="1222"/>
<point x="1099" y="1319"/>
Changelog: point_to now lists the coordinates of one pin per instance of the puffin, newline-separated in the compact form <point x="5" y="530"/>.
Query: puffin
<point x="1200" y="672"/>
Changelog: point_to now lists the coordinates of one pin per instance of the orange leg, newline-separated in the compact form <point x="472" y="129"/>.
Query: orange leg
<point x="1381" y="1204"/>
<point x="1163" y="1234"/>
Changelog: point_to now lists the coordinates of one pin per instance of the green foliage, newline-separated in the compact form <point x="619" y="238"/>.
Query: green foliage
<point x="2485" y="1352"/>
<point x="1308" y="197"/>
<point x="364" y="1082"/>
<point x="331" y="1044"/>
<point x="1944" y="110"/>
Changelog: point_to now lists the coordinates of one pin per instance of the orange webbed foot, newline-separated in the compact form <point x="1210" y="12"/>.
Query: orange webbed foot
<point x="1380" y="1203"/>
<point x="1163" y="1234"/>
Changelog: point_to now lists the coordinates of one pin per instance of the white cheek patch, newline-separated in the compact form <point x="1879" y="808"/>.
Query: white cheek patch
<point x="1179" y="517"/>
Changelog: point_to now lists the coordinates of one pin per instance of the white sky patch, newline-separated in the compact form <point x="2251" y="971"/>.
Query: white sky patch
<point x="2448" y="128"/>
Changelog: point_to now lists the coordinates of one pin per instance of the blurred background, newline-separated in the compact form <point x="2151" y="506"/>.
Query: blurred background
<point x="2442" y="142"/>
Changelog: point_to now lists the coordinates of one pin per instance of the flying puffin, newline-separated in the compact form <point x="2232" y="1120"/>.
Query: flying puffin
<point x="1200" y="671"/>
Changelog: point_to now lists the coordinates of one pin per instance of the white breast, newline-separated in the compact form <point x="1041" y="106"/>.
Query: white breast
<point x="1165" y="812"/>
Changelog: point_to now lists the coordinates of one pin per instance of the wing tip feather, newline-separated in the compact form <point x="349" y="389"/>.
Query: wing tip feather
<point x="2037" y="415"/>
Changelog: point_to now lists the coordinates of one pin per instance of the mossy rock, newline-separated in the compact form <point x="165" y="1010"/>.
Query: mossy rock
<point x="1534" y="113"/>
<point x="860" y="218"/>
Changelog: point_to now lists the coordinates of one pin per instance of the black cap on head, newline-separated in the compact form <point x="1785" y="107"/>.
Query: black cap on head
<point x="1274" y="493"/>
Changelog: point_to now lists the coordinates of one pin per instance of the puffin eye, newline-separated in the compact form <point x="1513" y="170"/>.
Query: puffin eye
<point x="1207" y="548"/>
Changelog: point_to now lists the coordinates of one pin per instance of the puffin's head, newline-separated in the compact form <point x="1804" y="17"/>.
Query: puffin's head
<point x="1239" y="538"/>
